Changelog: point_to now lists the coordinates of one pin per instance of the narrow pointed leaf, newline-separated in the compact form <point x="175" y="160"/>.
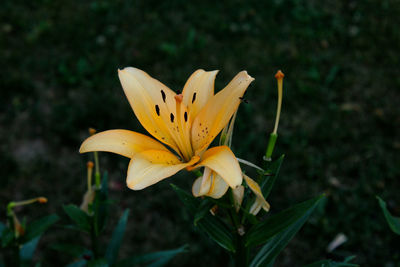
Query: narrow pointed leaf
<point x="81" y="219"/>
<point x="27" y="250"/>
<point x="101" y="205"/>
<point x="268" y="182"/>
<point x="394" y="222"/>
<point x="116" y="239"/>
<point x="202" y="210"/>
<point x="190" y="202"/>
<point x="37" y="227"/>
<point x="159" y="258"/>
<point x="2" y="227"/>
<point x="281" y="222"/>
<point x="268" y="253"/>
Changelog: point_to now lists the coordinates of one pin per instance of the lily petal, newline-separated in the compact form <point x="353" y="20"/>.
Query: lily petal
<point x="218" y="187"/>
<point x="256" y="207"/>
<point x="151" y="102"/>
<point x="257" y="191"/>
<point x="238" y="194"/>
<point x="217" y="112"/>
<point x="198" y="89"/>
<point x="222" y="160"/>
<point x="122" y="142"/>
<point x="152" y="166"/>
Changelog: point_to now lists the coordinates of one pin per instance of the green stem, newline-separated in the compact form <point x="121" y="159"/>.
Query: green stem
<point x="241" y="254"/>
<point x="97" y="170"/>
<point x="93" y="237"/>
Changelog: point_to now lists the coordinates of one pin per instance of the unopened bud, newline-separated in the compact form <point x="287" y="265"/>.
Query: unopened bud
<point x="42" y="200"/>
<point x="92" y="131"/>
<point x="90" y="164"/>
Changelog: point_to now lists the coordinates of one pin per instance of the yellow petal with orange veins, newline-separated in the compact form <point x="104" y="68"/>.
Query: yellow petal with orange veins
<point x="257" y="191"/>
<point x="152" y="102"/>
<point x="198" y="89"/>
<point x="122" y="142"/>
<point x="151" y="166"/>
<point x="218" y="187"/>
<point x="213" y="117"/>
<point x="222" y="161"/>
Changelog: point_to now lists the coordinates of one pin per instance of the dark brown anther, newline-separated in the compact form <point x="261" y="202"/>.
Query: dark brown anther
<point x="194" y="97"/>
<point x="185" y="116"/>
<point x="157" y="110"/>
<point x="172" y="117"/>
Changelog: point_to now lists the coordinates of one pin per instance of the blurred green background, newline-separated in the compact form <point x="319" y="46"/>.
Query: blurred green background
<point x="339" y="127"/>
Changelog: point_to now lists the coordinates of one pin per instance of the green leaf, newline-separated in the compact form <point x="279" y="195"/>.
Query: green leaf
<point x="394" y="222"/>
<point x="202" y="210"/>
<point x="211" y="225"/>
<point x="190" y="202"/>
<point x="27" y="250"/>
<point x="267" y="184"/>
<point x="153" y="259"/>
<point x="81" y="219"/>
<point x="268" y="253"/>
<point x="281" y="222"/>
<point x="7" y="237"/>
<point x="118" y="234"/>
<point x="2" y="228"/>
<point x="217" y="231"/>
<point x="331" y="263"/>
<point x="37" y="227"/>
<point x="101" y="205"/>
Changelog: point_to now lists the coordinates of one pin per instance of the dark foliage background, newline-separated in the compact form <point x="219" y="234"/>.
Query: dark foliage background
<point x="339" y="128"/>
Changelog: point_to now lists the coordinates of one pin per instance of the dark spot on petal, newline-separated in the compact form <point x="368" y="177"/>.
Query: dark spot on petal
<point x="194" y="97"/>
<point x="185" y="116"/>
<point x="172" y="117"/>
<point x="157" y="110"/>
<point x="163" y="95"/>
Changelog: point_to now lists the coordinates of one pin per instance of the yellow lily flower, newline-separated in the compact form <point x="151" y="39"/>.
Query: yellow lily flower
<point x="187" y="123"/>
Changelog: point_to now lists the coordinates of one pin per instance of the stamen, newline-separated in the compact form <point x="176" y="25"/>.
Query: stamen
<point x="194" y="97"/>
<point x="172" y="117"/>
<point x="163" y="95"/>
<point x="185" y="116"/>
<point x="157" y="110"/>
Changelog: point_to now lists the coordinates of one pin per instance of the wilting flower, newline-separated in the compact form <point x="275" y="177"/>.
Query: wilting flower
<point x="187" y="123"/>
